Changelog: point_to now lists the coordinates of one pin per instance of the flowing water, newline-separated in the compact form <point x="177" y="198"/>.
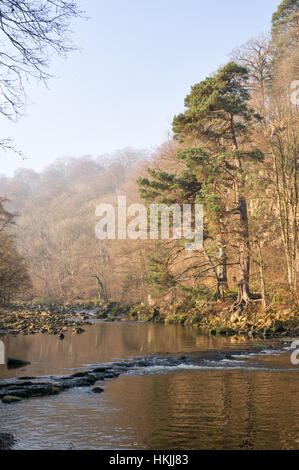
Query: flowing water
<point x="234" y="394"/>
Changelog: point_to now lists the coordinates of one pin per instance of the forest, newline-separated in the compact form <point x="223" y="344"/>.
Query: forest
<point x="234" y="149"/>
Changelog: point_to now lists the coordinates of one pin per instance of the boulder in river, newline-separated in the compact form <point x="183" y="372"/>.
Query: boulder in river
<point x="13" y="363"/>
<point x="10" y="399"/>
<point x="6" y="441"/>
<point x="97" y="390"/>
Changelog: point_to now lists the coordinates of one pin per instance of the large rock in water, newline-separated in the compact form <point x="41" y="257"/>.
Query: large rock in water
<point x="6" y="441"/>
<point x="13" y="363"/>
<point x="97" y="390"/>
<point x="10" y="399"/>
<point x="28" y="390"/>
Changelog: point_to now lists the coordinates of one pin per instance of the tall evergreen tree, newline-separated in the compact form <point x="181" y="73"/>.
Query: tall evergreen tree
<point x="218" y="116"/>
<point x="196" y="183"/>
<point x="285" y="28"/>
<point x="214" y="132"/>
<point x="286" y="14"/>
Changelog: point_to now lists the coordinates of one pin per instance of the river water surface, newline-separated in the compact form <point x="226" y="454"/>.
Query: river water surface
<point x="241" y="395"/>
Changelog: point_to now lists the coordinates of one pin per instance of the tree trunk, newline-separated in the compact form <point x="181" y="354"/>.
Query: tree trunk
<point x="219" y="288"/>
<point x="222" y="283"/>
<point x="262" y="277"/>
<point x="244" y="246"/>
<point x="287" y="202"/>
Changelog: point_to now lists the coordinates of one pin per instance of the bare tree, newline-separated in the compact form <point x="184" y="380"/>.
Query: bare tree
<point x="255" y="55"/>
<point x="30" y="32"/>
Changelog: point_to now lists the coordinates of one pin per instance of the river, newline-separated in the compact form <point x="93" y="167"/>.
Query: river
<point x="242" y="394"/>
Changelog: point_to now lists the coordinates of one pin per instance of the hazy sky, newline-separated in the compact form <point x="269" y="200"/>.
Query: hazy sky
<point x="137" y="61"/>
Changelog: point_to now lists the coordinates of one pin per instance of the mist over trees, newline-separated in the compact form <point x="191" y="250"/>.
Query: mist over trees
<point x="14" y="278"/>
<point x="31" y="32"/>
<point x="234" y="149"/>
<point x="56" y="223"/>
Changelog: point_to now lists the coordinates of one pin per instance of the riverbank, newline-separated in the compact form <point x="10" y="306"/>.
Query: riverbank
<point x="53" y="319"/>
<point x="212" y="318"/>
<point x="221" y="318"/>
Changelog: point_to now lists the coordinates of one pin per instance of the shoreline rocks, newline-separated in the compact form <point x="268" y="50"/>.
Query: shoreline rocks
<point x="53" y="320"/>
<point x="211" y="317"/>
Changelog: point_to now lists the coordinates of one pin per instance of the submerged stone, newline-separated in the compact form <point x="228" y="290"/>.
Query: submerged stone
<point x="13" y="363"/>
<point x="98" y="390"/>
<point x="6" y="441"/>
<point x="11" y="399"/>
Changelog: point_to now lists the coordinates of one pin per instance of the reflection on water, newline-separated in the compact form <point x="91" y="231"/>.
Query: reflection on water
<point x="105" y="342"/>
<point x="185" y="409"/>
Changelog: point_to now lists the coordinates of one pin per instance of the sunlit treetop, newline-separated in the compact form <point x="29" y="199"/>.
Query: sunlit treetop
<point x="213" y="102"/>
<point x="286" y="15"/>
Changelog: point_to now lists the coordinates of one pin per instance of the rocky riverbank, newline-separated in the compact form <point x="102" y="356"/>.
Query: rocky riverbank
<point x="212" y="318"/>
<point x="57" y="318"/>
<point x="221" y="318"/>
<point x="51" y="319"/>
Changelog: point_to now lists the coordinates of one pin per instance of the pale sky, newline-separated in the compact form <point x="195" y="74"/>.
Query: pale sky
<point x="137" y="62"/>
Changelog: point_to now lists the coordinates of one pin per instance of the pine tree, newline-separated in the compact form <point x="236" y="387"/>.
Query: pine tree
<point x="286" y="14"/>
<point x="285" y="29"/>
<point x="194" y="184"/>
<point x="218" y="116"/>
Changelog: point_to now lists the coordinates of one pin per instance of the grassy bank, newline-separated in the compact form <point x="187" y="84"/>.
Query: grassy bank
<point x="220" y="318"/>
<point x="58" y="317"/>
